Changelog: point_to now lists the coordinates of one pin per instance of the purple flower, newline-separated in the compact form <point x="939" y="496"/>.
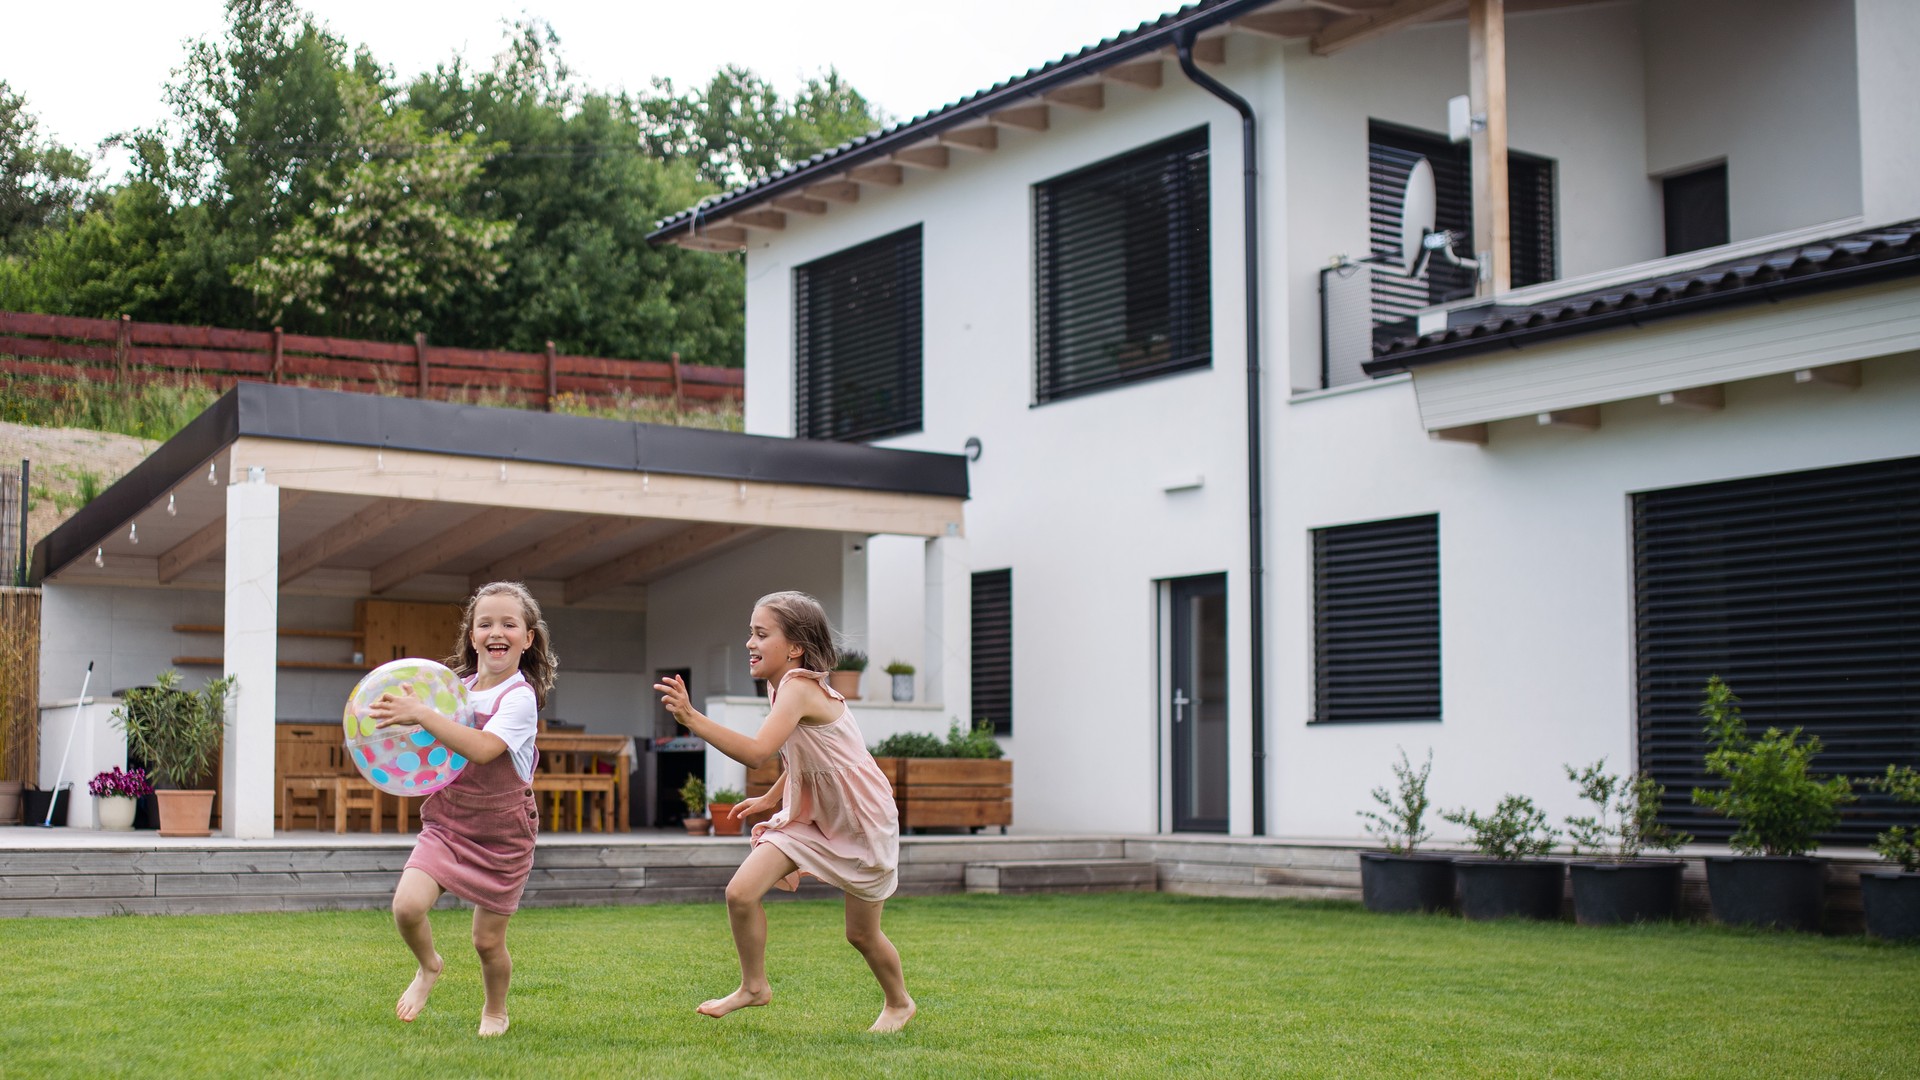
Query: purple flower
<point x="132" y="785"/>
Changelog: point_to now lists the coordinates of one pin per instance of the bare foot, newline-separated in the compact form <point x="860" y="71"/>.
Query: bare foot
<point x="739" y="999"/>
<point x="415" y="997"/>
<point x="892" y="1019"/>
<point x="492" y="1025"/>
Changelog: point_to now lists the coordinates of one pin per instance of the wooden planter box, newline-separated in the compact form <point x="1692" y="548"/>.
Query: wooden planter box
<point x="934" y="792"/>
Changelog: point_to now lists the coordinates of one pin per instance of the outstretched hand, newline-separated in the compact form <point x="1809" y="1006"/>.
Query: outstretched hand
<point x="673" y="695"/>
<point x="391" y="709"/>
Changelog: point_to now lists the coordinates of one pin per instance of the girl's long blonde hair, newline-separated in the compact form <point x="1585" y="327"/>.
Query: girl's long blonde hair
<point x="804" y="622"/>
<point x="538" y="663"/>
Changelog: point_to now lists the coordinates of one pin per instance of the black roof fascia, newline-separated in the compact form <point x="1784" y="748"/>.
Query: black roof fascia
<point x="263" y="410"/>
<point x="1125" y="46"/>
<point x="1668" y="296"/>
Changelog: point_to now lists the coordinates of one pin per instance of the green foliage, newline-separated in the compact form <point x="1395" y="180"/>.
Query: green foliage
<point x="41" y="182"/>
<point x="1770" y="790"/>
<point x="155" y="410"/>
<point x="737" y="130"/>
<point x="1635" y="824"/>
<point x="1399" y="823"/>
<point x="89" y="486"/>
<point x="1899" y="844"/>
<point x="850" y="660"/>
<point x="178" y="730"/>
<point x="899" y="667"/>
<point x="977" y="743"/>
<point x="726" y="796"/>
<point x="1516" y="829"/>
<point x="693" y="795"/>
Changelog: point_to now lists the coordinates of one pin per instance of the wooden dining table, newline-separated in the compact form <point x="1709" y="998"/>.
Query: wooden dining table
<point x="563" y="752"/>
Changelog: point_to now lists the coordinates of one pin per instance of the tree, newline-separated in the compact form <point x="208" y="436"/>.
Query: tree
<point x="42" y="183"/>
<point x="738" y="130"/>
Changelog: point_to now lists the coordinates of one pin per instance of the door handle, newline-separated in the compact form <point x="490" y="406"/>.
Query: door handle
<point x="1180" y="703"/>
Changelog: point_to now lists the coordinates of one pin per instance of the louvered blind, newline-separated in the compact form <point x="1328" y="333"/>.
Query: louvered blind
<point x="1121" y="256"/>
<point x="993" y="649"/>
<point x="1802" y="591"/>
<point x="1377" y="621"/>
<point x="857" y="341"/>
<point x="1391" y="152"/>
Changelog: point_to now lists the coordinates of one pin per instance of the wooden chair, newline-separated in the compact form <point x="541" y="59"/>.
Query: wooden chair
<point x="304" y="795"/>
<point x="352" y="793"/>
<point x="306" y="767"/>
<point x="593" y="790"/>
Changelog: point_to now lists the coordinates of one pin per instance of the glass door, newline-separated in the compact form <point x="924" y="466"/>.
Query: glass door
<point x="1197" y="703"/>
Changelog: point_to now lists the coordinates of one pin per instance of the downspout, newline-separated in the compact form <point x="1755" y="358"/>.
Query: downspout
<point x="1256" y="570"/>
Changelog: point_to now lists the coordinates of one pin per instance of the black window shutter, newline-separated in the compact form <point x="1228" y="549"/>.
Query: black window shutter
<point x="993" y="649"/>
<point x="1121" y="259"/>
<point x="1377" y="621"/>
<point x="857" y="341"/>
<point x="1696" y="209"/>
<point x="1802" y="591"/>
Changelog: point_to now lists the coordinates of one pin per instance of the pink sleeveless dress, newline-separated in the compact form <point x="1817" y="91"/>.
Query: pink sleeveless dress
<point x="837" y="819"/>
<point x="477" y="833"/>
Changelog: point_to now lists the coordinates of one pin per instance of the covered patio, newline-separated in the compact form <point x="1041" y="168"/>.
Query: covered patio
<point x="296" y="538"/>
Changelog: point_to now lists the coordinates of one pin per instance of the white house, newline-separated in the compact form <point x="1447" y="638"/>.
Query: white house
<point x="1251" y="506"/>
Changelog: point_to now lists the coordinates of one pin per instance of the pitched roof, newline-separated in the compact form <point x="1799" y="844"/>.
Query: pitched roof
<point x="1889" y="251"/>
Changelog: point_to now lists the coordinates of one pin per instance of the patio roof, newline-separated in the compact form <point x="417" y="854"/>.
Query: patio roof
<point x="418" y="498"/>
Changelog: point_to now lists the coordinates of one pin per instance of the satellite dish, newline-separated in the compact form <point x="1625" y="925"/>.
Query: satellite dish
<point x="1417" y="208"/>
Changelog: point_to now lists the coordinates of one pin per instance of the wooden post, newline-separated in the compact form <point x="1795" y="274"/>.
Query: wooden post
<point x="553" y="378"/>
<point x="420" y="357"/>
<point x="123" y="348"/>
<point x="678" y="406"/>
<point x="279" y="353"/>
<point x="1487" y="56"/>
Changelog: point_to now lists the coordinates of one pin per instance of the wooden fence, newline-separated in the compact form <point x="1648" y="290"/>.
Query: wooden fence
<point x="51" y="350"/>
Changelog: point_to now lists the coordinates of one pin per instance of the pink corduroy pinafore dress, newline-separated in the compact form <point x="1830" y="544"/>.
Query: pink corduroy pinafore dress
<point x="477" y="833"/>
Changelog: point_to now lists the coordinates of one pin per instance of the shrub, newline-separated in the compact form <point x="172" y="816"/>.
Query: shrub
<point x="178" y="730"/>
<point x="693" y="794"/>
<point x="1636" y="806"/>
<point x="1770" y="790"/>
<point x="978" y="743"/>
<point x="1899" y="844"/>
<point x="726" y="796"/>
<point x="1398" y="823"/>
<point x="1515" y="830"/>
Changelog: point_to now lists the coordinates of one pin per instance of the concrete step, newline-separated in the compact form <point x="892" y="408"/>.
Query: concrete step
<point x="1061" y="875"/>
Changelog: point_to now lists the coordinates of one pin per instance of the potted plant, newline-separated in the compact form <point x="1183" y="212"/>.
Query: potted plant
<point x="119" y="792"/>
<point x="1891" y="898"/>
<point x="1769" y="788"/>
<point x="1511" y="878"/>
<point x="902" y="673"/>
<point x="1618" y="886"/>
<point x="720" y="805"/>
<point x="1397" y="878"/>
<point x="179" y="731"/>
<point x="693" y="795"/>
<point x="845" y="676"/>
<point x="960" y="781"/>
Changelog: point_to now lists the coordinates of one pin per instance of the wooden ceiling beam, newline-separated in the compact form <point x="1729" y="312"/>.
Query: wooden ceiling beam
<point x="1582" y="418"/>
<point x="1086" y="95"/>
<point x="840" y="191"/>
<point x="487" y="525"/>
<point x="1472" y="434"/>
<point x="799" y="204"/>
<point x="1283" y="24"/>
<point x="761" y="219"/>
<point x="885" y="175"/>
<point x="1145" y="74"/>
<point x="643" y="563"/>
<point x="1210" y="50"/>
<point x="923" y="157"/>
<point x="1024" y="117"/>
<point x="1359" y="29"/>
<point x="210" y="541"/>
<point x="561" y="545"/>
<point x="984" y="137"/>
<point x="1697" y="398"/>
<point x="370" y="522"/>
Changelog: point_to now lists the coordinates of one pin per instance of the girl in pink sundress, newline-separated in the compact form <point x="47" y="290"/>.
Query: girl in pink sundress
<point x="836" y="819"/>
<point x="477" y="833"/>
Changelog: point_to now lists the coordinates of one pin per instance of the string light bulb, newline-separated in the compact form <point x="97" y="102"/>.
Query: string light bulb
<point x="213" y="475"/>
<point x="171" y="512"/>
<point x="133" y="533"/>
<point x="99" y="556"/>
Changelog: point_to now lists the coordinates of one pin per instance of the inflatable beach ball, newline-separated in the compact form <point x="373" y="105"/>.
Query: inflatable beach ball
<point x="406" y="759"/>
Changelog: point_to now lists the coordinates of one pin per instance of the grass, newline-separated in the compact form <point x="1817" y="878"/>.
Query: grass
<point x="1118" y="985"/>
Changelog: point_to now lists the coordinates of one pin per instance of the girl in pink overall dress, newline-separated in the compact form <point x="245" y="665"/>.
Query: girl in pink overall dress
<point x="477" y="834"/>
<point x="837" y="820"/>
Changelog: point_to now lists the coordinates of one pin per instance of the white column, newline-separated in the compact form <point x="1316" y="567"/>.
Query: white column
<point x="252" y="650"/>
<point x="853" y="622"/>
<point x="948" y="651"/>
<point x="1889" y="40"/>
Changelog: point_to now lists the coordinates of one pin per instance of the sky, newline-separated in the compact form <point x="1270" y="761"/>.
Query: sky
<point x="84" y="82"/>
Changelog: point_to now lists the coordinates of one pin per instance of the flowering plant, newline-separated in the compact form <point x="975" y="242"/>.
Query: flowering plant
<point x="132" y="785"/>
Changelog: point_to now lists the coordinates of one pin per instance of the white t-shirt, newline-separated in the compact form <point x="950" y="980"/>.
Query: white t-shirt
<point x="516" y="718"/>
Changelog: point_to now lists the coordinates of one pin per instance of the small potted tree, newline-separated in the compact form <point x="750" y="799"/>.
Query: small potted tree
<point x="902" y="673"/>
<point x="1511" y="877"/>
<point x="1768" y="787"/>
<point x="720" y="806"/>
<point x="1398" y="878"/>
<point x="693" y="795"/>
<point x="1891" y="898"/>
<point x="845" y="676"/>
<point x="179" y="732"/>
<point x="1618" y="886"/>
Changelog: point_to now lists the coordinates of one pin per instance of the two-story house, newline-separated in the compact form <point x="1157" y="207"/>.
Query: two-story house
<point x="1314" y="413"/>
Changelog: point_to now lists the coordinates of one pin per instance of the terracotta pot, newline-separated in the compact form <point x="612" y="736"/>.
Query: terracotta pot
<point x="847" y="682"/>
<point x="10" y="802"/>
<point x="186" y="813"/>
<point x="116" y="812"/>
<point x="696" y="826"/>
<point x="725" y="823"/>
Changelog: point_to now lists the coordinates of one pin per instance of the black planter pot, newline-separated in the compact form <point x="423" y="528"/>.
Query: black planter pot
<point x="1405" y="882"/>
<point x="36" y="802"/>
<point x="1892" y="903"/>
<point x="1645" y="890"/>
<point x="1510" y="888"/>
<point x="1785" y="892"/>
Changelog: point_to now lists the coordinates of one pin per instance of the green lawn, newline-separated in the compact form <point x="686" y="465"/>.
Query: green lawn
<point x="1121" y="985"/>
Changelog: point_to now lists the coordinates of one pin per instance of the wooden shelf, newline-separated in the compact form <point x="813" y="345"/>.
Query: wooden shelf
<point x="304" y="665"/>
<point x="285" y="631"/>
